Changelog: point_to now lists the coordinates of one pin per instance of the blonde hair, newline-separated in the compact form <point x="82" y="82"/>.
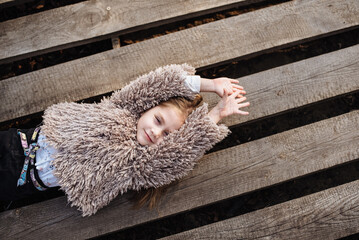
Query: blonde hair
<point x="183" y="104"/>
<point x="151" y="196"/>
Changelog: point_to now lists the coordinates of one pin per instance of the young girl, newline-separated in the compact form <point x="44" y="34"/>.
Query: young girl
<point x="144" y="136"/>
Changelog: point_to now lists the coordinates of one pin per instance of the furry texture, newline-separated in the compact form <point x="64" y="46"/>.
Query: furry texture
<point x="98" y="153"/>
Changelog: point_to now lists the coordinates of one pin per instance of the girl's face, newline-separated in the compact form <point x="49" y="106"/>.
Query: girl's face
<point x="158" y="122"/>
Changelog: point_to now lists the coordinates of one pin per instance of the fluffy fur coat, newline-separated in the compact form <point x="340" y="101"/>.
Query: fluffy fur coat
<point x="98" y="153"/>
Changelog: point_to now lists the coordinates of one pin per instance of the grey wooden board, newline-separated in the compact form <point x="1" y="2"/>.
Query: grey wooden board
<point x="219" y="175"/>
<point x="252" y="33"/>
<point x="297" y="84"/>
<point x="330" y="214"/>
<point x="83" y="22"/>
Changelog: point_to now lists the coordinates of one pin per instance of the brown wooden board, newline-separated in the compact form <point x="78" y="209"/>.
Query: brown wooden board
<point x="87" y="21"/>
<point x="330" y="214"/>
<point x="252" y="33"/>
<point x="219" y="175"/>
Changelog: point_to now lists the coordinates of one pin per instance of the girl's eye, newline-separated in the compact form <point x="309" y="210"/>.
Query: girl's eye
<point x="158" y="119"/>
<point x="166" y="133"/>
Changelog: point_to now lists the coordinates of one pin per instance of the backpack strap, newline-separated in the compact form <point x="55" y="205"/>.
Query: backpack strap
<point x="29" y="163"/>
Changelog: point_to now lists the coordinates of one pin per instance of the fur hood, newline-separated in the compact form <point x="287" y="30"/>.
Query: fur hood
<point x="98" y="153"/>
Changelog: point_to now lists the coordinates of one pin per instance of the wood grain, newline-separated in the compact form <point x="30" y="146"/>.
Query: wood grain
<point x="294" y="85"/>
<point x="241" y="169"/>
<point x="297" y="84"/>
<point x="206" y="45"/>
<point x="330" y="214"/>
<point x="88" y="21"/>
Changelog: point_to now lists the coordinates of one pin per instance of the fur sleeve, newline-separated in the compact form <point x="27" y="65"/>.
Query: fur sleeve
<point x="177" y="154"/>
<point x="150" y="89"/>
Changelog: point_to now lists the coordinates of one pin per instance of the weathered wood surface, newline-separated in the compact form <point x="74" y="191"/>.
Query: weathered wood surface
<point x="83" y="22"/>
<point x="6" y="1"/>
<point x="330" y="214"/>
<point x="208" y="44"/>
<point x="241" y="169"/>
<point x="297" y="84"/>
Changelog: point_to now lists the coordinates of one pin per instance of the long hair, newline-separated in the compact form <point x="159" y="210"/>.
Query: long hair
<point x="151" y="196"/>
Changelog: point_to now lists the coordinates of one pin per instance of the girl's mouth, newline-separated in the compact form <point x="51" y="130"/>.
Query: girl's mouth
<point x="148" y="137"/>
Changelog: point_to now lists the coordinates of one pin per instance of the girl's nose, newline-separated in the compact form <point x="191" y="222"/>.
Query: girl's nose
<point x="157" y="132"/>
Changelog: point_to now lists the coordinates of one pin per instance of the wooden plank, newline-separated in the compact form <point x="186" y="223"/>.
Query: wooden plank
<point x="330" y="214"/>
<point x="205" y="45"/>
<point x="6" y="1"/>
<point x="242" y="169"/>
<point x="83" y="22"/>
<point x="297" y="84"/>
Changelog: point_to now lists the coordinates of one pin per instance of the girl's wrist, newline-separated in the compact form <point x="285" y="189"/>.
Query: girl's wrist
<point x="207" y="85"/>
<point x="215" y="115"/>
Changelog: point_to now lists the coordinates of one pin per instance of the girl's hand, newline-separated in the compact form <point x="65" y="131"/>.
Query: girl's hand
<point x="228" y="105"/>
<point x="228" y="84"/>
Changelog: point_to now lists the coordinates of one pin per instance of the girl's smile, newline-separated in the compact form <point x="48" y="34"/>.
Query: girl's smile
<point x="149" y="139"/>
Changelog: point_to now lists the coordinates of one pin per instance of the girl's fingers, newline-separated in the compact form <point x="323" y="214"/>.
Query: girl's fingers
<point x="242" y="112"/>
<point x="235" y="94"/>
<point x="225" y="93"/>
<point x="238" y="89"/>
<point x="241" y="105"/>
<point x="239" y="100"/>
<point x="234" y="80"/>
<point x="237" y="86"/>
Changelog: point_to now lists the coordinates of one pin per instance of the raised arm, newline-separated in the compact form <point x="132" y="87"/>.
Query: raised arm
<point x="150" y="89"/>
<point x="177" y="154"/>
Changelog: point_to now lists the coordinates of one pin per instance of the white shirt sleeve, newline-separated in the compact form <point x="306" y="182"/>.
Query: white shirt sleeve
<point x="194" y="83"/>
<point x="44" y="158"/>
